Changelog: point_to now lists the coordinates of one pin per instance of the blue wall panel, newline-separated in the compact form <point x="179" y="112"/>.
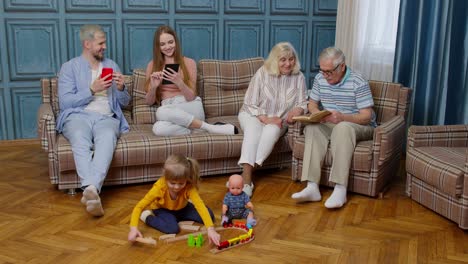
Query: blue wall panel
<point x="243" y="39"/>
<point x="95" y="6"/>
<point x="38" y="36"/>
<point x="325" y="7"/>
<point x="291" y="7"/>
<point x="197" y="6"/>
<point x="292" y="32"/>
<point x="25" y="39"/>
<point x="199" y="38"/>
<point x="138" y="46"/>
<point x="244" y="7"/>
<point x="31" y="5"/>
<point x="324" y="36"/>
<point x="154" y="6"/>
<point x="25" y="104"/>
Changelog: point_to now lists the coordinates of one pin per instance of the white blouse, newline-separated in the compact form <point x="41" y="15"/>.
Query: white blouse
<point x="274" y="95"/>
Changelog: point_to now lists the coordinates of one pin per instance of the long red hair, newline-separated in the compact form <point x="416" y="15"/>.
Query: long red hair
<point x="158" y="57"/>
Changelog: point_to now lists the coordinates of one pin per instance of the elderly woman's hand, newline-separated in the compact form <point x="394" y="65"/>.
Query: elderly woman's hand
<point x="296" y="111"/>
<point x="274" y="120"/>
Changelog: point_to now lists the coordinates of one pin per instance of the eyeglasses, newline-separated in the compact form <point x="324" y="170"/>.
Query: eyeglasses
<point x="329" y="72"/>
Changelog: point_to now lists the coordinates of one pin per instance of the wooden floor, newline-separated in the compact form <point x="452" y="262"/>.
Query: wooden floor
<point x="39" y="224"/>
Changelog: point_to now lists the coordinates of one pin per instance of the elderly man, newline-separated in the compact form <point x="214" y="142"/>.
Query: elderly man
<point x="347" y="96"/>
<point x="91" y="117"/>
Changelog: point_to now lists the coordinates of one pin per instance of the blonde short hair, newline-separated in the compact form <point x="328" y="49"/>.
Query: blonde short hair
<point x="87" y="32"/>
<point x="279" y="50"/>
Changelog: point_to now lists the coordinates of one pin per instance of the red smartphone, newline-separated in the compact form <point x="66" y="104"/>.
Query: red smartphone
<point x="107" y="71"/>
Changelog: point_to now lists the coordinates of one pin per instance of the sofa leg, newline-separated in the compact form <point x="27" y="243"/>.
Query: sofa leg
<point x="71" y="191"/>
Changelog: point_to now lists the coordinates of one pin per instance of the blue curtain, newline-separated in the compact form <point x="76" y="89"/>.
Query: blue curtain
<point x="431" y="57"/>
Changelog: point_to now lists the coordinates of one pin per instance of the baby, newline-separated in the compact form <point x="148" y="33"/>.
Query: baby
<point x="237" y="203"/>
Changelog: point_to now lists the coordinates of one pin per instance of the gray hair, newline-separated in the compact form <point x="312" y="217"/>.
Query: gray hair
<point x="87" y="32"/>
<point x="279" y="50"/>
<point x="333" y="53"/>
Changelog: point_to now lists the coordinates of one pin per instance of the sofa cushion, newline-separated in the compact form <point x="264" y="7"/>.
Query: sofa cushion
<point x="222" y="84"/>
<point x="441" y="167"/>
<point x="361" y="158"/>
<point x="142" y="113"/>
<point x="140" y="146"/>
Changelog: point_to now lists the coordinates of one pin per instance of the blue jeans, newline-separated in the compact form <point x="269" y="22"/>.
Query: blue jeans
<point x="167" y="221"/>
<point x="93" y="138"/>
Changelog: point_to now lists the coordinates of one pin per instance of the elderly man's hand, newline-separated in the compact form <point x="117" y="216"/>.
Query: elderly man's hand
<point x="335" y="117"/>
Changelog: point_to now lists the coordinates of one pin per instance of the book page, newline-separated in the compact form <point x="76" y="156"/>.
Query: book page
<point x="312" y="118"/>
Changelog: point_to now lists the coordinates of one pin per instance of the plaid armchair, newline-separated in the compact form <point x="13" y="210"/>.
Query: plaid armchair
<point x="375" y="162"/>
<point x="437" y="170"/>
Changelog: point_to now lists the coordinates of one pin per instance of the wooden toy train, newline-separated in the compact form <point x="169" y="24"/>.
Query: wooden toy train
<point x="236" y="241"/>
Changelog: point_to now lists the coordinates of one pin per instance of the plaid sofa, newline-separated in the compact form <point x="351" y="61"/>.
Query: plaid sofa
<point x="375" y="161"/>
<point x="437" y="170"/>
<point x="140" y="155"/>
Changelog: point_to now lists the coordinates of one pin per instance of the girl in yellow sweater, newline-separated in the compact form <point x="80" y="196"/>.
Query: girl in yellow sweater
<point x="169" y="201"/>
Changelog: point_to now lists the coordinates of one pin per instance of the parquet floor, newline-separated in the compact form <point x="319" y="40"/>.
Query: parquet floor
<point x="39" y="224"/>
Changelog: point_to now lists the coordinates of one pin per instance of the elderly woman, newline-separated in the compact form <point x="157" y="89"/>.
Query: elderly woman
<point x="276" y="93"/>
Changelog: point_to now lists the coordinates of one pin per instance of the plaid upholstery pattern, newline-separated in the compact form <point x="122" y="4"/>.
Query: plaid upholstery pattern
<point x="440" y="167"/>
<point x="129" y="85"/>
<point x="437" y="169"/>
<point x="45" y="88"/>
<point x="386" y="96"/>
<point x="141" y="147"/>
<point x="375" y="161"/>
<point x="222" y="84"/>
<point x="139" y="155"/>
<point x="142" y="113"/>
<point x="54" y="96"/>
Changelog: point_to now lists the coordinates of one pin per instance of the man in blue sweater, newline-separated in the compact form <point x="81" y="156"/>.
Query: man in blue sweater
<point x="90" y="116"/>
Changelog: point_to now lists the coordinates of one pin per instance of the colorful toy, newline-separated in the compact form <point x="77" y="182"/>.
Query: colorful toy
<point x="196" y="239"/>
<point x="236" y="241"/>
<point x="190" y="240"/>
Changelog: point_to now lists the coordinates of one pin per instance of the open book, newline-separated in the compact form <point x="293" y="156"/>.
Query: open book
<point x="312" y="118"/>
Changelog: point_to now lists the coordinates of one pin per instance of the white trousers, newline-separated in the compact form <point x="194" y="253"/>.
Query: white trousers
<point x="175" y="115"/>
<point x="259" y="139"/>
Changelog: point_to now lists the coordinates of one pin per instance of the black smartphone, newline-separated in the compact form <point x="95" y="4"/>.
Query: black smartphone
<point x="174" y="67"/>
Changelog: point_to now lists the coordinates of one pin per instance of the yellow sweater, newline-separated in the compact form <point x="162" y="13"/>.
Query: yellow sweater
<point x="159" y="197"/>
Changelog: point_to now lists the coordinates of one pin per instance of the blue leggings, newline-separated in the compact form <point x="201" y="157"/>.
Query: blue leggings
<point x="167" y="221"/>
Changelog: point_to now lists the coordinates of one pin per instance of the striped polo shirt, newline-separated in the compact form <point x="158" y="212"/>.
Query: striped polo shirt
<point x="348" y="96"/>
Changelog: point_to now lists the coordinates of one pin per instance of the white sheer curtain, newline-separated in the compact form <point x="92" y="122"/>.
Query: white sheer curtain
<point x="366" y="32"/>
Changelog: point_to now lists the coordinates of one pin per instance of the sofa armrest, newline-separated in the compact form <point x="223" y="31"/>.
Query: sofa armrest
<point x="294" y="132"/>
<point x="438" y="136"/>
<point x="465" y="179"/>
<point x="388" y="138"/>
<point x="46" y="126"/>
